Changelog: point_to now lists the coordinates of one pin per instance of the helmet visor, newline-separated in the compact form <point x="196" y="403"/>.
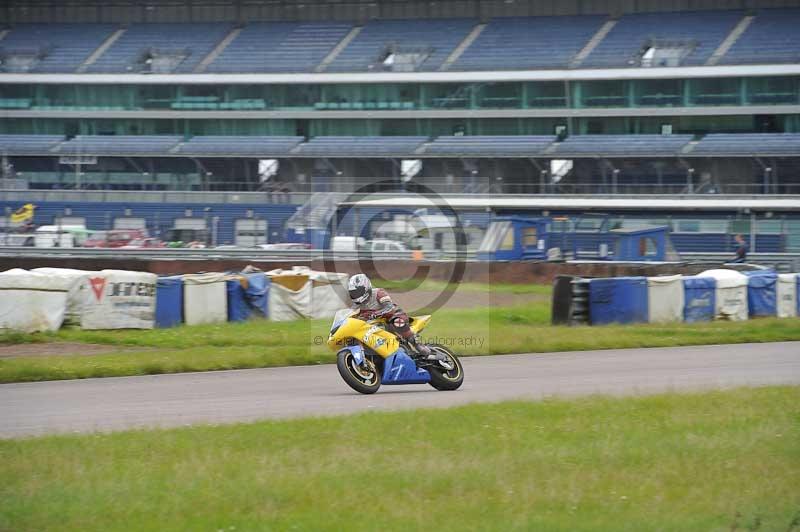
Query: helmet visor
<point x="358" y="294"/>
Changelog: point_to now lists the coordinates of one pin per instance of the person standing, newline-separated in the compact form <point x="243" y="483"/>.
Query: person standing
<point x="741" y="249"/>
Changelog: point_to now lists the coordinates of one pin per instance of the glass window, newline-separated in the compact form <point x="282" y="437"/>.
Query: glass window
<point x="772" y="227"/>
<point x="508" y="240"/>
<point x="529" y="237"/>
<point x="647" y="247"/>
<point x="493" y="236"/>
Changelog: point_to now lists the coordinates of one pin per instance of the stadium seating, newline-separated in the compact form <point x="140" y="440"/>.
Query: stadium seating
<point x="238" y="145"/>
<point x="28" y="144"/>
<point x="438" y="37"/>
<point x="361" y="146"/>
<point x="62" y="47"/>
<point x="772" y="37"/>
<point x="280" y="47"/>
<point x="704" y="30"/>
<point x="621" y="145"/>
<point x="778" y="144"/>
<point x="529" y="42"/>
<point x="516" y="146"/>
<point x="119" y="144"/>
<point x="195" y="40"/>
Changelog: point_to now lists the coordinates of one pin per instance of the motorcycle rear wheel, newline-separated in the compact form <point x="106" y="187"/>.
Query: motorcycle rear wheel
<point x="362" y="378"/>
<point x="441" y="378"/>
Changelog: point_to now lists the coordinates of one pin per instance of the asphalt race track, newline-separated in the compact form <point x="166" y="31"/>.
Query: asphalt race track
<point x="246" y="395"/>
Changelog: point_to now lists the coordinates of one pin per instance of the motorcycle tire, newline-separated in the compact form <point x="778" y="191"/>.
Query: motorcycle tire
<point x="442" y="379"/>
<point x="366" y="382"/>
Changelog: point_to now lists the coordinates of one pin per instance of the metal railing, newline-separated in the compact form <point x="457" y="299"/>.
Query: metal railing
<point x="255" y="255"/>
<point x="299" y="198"/>
<point x="783" y="262"/>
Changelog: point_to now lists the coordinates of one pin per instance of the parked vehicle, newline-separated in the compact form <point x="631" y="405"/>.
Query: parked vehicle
<point x="285" y="246"/>
<point x="60" y="236"/>
<point x="149" y="243"/>
<point x="381" y="244"/>
<point x="347" y="243"/>
<point x="115" y="238"/>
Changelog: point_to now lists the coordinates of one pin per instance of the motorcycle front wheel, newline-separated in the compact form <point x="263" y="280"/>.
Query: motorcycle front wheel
<point x="363" y="378"/>
<point x="442" y="378"/>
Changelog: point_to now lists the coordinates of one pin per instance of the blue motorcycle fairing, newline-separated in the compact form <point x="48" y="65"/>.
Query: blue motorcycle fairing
<point x="357" y="351"/>
<point x="401" y="369"/>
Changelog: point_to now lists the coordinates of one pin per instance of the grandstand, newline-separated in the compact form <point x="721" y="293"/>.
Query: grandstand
<point x="459" y="97"/>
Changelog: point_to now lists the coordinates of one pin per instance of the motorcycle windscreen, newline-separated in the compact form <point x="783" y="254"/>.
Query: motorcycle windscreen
<point x="400" y="369"/>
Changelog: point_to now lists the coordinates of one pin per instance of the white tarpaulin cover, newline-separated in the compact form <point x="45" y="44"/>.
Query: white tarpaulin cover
<point x="328" y="292"/>
<point x="731" y="296"/>
<point x="120" y="299"/>
<point x="665" y="298"/>
<point x="787" y="295"/>
<point x="32" y="302"/>
<point x="290" y="294"/>
<point x="289" y="303"/>
<point x="304" y="293"/>
<point x="79" y="294"/>
<point x="205" y="298"/>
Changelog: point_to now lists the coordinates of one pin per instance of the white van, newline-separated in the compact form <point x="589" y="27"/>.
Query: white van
<point x="382" y="244"/>
<point x="347" y="243"/>
<point x="59" y="236"/>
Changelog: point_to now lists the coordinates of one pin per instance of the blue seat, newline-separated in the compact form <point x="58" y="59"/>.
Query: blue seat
<point x="195" y="40"/>
<point x="280" y="47"/>
<point x="64" y="46"/>
<point x="772" y="37"/>
<point x="622" y="145"/>
<point x="749" y="144"/>
<point x="529" y="43"/>
<point x="703" y="31"/>
<point x="438" y="37"/>
<point x="478" y="145"/>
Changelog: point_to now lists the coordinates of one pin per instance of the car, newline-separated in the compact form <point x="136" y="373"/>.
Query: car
<point x="115" y="238"/>
<point x="381" y="244"/>
<point x="149" y="243"/>
<point x="347" y="243"/>
<point x="285" y="246"/>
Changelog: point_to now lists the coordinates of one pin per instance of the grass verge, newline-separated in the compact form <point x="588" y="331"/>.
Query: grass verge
<point x="726" y="460"/>
<point x="480" y="331"/>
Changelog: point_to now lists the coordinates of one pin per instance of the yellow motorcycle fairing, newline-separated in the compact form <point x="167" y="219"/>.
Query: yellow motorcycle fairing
<point x="371" y="334"/>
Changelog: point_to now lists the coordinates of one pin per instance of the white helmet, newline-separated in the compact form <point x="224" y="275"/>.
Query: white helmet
<point x="360" y="288"/>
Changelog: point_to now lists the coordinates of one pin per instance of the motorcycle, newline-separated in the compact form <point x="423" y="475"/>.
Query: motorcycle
<point x="368" y="355"/>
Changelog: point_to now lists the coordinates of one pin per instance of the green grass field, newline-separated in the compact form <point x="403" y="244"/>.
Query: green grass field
<point x="478" y="331"/>
<point x="725" y="460"/>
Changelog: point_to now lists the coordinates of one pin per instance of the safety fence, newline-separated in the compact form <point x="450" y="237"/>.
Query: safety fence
<point x="711" y="295"/>
<point x="45" y="299"/>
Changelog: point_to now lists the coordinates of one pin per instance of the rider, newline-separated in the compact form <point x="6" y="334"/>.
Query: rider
<point x="372" y="303"/>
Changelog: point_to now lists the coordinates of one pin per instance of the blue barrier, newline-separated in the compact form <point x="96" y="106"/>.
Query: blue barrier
<point x="699" y="298"/>
<point x="618" y="300"/>
<point x="244" y="303"/>
<point x="762" y="298"/>
<point x="169" y="301"/>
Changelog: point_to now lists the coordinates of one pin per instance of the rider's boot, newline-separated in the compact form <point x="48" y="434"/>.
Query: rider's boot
<point x="426" y="353"/>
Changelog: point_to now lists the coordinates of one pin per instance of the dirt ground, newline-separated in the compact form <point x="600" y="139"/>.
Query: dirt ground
<point x="61" y="348"/>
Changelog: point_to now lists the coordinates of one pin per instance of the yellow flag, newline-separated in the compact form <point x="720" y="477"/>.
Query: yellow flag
<point x="24" y="213"/>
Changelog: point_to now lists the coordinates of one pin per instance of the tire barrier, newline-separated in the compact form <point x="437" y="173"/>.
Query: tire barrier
<point x="711" y="295"/>
<point x="45" y="300"/>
